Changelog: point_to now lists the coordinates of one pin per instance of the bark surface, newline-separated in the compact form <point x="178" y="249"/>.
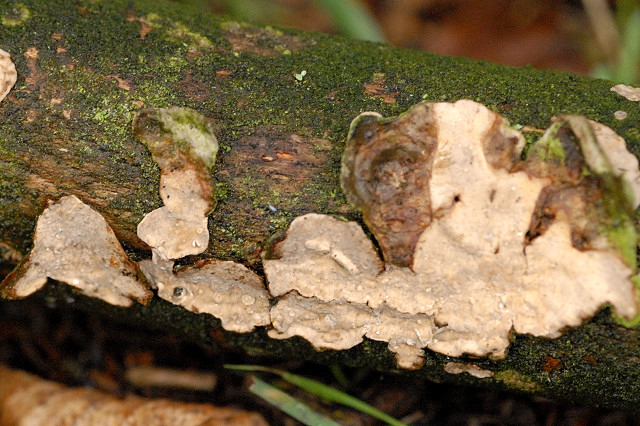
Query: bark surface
<point x="85" y="68"/>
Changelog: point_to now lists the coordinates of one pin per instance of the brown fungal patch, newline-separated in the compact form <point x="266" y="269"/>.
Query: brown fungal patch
<point x="551" y="364"/>
<point x="283" y="165"/>
<point x="195" y="88"/>
<point x="385" y="174"/>
<point x="145" y="27"/>
<point x="75" y="245"/>
<point x="279" y="158"/>
<point x="35" y="76"/>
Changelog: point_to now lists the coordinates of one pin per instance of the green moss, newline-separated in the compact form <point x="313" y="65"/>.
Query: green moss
<point x="15" y="15"/>
<point x="514" y="379"/>
<point x="548" y="148"/>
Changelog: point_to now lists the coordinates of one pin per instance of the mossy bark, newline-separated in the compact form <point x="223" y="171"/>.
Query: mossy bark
<point x="85" y="68"/>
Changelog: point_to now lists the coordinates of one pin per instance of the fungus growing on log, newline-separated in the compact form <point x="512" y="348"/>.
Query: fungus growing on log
<point x="183" y="144"/>
<point x="477" y="242"/>
<point x="8" y="74"/>
<point x="629" y="92"/>
<point x="227" y="290"/>
<point x="74" y="244"/>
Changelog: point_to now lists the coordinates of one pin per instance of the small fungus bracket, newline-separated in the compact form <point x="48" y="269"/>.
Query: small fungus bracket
<point x="74" y="244"/>
<point x="477" y="242"/>
<point x="183" y="144"/>
<point x="8" y="74"/>
<point x="227" y="290"/>
<point x="629" y="92"/>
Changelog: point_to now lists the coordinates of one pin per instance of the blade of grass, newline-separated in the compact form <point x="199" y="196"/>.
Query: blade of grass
<point x="353" y="19"/>
<point x="629" y="61"/>
<point x="285" y="402"/>
<point x="323" y="391"/>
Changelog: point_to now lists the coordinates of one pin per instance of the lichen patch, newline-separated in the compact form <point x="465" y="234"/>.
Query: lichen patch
<point x="74" y="244"/>
<point x="477" y="242"/>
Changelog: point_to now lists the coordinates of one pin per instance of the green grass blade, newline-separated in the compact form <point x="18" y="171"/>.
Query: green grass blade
<point x="353" y="19"/>
<point x="323" y="391"/>
<point x="629" y="63"/>
<point x="285" y="402"/>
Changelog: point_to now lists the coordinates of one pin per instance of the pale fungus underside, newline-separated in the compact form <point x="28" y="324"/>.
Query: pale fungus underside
<point x="183" y="144"/>
<point x="75" y="245"/>
<point x="227" y="290"/>
<point x="477" y="242"/>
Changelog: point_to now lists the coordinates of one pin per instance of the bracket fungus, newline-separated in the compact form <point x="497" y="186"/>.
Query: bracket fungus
<point x="74" y="244"/>
<point x="227" y="290"/>
<point x="183" y="144"/>
<point x="477" y="242"/>
<point x="8" y="74"/>
<point x="629" y="92"/>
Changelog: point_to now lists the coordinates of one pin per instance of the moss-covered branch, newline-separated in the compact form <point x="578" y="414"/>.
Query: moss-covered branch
<point x="84" y="69"/>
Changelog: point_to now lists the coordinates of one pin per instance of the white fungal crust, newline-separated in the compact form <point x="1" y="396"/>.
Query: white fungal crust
<point x="512" y="244"/>
<point x="227" y="290"/>
<point x="74" y="244"/>
<point x="8" y="74"/>
<point x="472" y="369"/>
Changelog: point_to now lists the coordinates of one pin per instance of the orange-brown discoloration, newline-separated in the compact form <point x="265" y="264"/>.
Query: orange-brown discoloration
<point x="377" y="89"/>
<point x="551" y="364"/>
<point x="263" y="41"/>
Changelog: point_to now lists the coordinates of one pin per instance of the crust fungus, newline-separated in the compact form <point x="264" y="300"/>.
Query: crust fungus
<point x="74" y="244"/>
<point x="227" y="290"/>
<point x="472" y="369"/>
<point x="183" y="144"/>
<point x="341" y="325"/>
<point x="8" y="74"/>
<point x="629" y="92"/>
<point x="477" y="242"/>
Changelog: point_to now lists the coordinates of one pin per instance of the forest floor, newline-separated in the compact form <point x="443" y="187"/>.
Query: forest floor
<point x="63" y="344"/>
